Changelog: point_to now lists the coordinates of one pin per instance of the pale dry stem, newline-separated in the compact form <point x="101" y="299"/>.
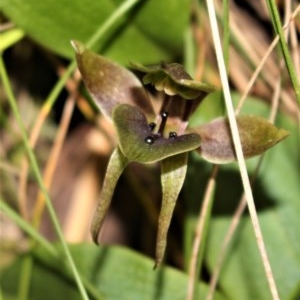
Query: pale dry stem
<point x="200" y="227"/>
<point x="22" y="196"/>
<point x="72" y="86"/>
<point x="239" y="153"/>
<point x="240" y="209"/>
<point x="224" y="247"/>
<point x="241" y="71"/>
<point x="243" y="202"/>
<point x="53" y="157"/>
<point x="44" y="112"/>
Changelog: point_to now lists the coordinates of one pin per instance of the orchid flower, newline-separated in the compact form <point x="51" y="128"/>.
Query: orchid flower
<point x="149" y="137"/>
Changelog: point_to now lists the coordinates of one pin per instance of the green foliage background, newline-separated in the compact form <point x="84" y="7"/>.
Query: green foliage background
<point x="154" y="31"/>
<point x="147" y="34"/>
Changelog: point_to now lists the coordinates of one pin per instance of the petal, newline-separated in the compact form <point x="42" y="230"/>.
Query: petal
<point x="173" y="79"/>
<point x="109" y="83"/>
<point x="115" y="167"/>
<point x="173" y="172"/>
<point x="139" y="144"/>
<point x="256" y="134"/>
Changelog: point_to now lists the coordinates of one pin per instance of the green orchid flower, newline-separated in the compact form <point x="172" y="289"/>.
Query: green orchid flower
<point x="149" y="137"/>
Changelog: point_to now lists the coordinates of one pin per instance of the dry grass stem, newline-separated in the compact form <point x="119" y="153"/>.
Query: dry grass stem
<point x="270" y="74"/>
<point x="243" y="203"/>
<point x="71" y="85"/>
<point x="225" y="246"/>
<point x="22" y="193"/>
<point x="239" y="152"/>
<point x="33" y="137"/>
<point x="241" y="207"/>
<point x="200" y="227"/>
<point x="54" y="155"/>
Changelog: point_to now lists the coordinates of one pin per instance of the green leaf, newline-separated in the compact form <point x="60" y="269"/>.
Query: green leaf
<point x="173" y="80"/>
<point x="256" y="134"/>
<point x="173" y="171"/>
<point x="116" y="165"/>
<point x="143" y="34"/>
<point x="116" y="272"/>
<point x="139" y="144"/>
<point x="109" y="83"/>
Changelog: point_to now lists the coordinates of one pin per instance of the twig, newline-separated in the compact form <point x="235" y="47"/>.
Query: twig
<point x="57" y="146"/>
<point x="228" y="237"/>
<point x="200" y="229"/>
<point x="263" y="61"/>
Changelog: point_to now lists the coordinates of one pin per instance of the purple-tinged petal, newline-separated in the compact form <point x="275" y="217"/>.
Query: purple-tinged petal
<point x="256" y="134"/>
<point x="109" y="83"/>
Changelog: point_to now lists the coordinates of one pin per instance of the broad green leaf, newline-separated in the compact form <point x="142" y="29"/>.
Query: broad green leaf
<point x="256" y="134"/>
<point x="143" y="34"/>
<point x="116" y="165"/>
<point x="139" y="144"/>
<point x="173" y="171"/>
<point x="173" y="80"/>
<point x="109" y="83"/>
<point x="116" y="273"/>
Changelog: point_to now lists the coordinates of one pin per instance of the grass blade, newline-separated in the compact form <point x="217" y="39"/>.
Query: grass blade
<point x="239" y="151"/>
<point x="284" y="47"/>
<point x="38" y="176"/>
